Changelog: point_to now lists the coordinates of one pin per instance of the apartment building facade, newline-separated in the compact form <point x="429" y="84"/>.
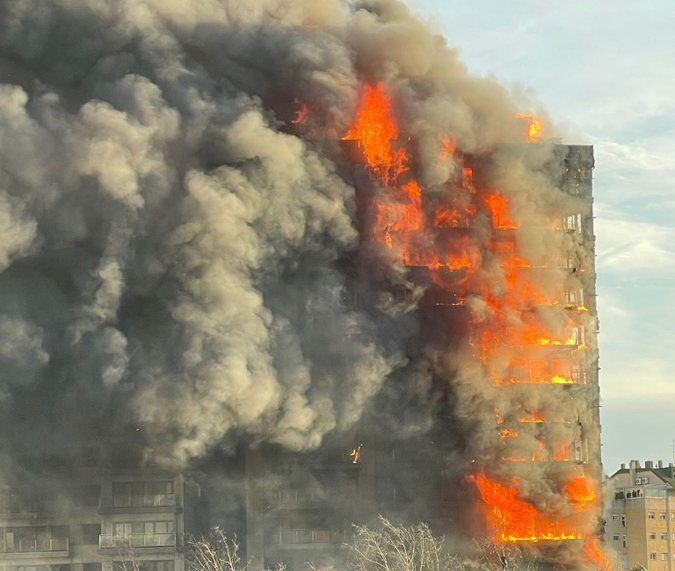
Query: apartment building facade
<point x="641" y="526"/>
<point x="108" y="516"/>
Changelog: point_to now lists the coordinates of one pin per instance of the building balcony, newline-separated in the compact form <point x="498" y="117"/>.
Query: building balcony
<point x="138" y="504"/>
<point x="28" y="548"/>
<point x="136" y="541"/>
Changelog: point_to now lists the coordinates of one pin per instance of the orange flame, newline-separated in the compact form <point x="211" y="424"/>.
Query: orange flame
<point x="505" y="433"/>
<point x="594" y="553"/>
<point x="533" y="131"/>
<point x="533" y="417"/>
<point x="561" y="452"/>
<point x="356" y="454"/>
<point x="498" y="205"/>
<point x="374" y="129"/>
<point x="580" y="492"/>
<point x="513" y="519"/>
<point x="301" y="114"/>
<point x="467" y="177"/>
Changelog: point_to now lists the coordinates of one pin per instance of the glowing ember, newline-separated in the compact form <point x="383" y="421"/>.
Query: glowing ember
<point x="505" y="433"/>
<point x="533" y="131"/>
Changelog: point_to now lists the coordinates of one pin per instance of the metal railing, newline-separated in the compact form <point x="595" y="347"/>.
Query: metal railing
<point x="305" y="536"/>
<point x="144" y="501"/>
<point x="46" y="545"/>
<point x="137" y="540"/>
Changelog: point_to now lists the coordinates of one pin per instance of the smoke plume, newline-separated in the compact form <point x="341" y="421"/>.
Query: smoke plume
<point x="182" y="239"/>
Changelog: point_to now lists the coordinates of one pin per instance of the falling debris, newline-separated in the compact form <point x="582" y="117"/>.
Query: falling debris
<point x="355" y="454"/>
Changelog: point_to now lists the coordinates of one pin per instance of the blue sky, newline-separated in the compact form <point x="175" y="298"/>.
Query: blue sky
<point x="605" y="70"/>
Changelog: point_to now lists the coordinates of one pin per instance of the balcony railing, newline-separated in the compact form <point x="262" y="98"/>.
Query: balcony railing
<point x="144" y="501"/>
<point x="14" y="506"/>
<point x="47" y="545"/>
<point x="137" y="540"/>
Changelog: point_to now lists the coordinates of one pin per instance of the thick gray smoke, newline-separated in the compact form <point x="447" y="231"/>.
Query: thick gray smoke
<point x="170" y="248"/>
<point x="179" y="248"/>
<point x="168" y="254"/>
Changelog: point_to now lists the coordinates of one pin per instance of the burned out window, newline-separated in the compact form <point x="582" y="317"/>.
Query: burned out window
<point x="576" y="177"/>
<point x="574" y="297"/>
<point x="572" y="223"/>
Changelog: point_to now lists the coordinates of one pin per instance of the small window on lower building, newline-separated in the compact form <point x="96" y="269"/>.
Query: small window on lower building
<point x="664" y="536"/>
<point x="624" y="543"/>
<point x="652" y="556"/>
<point x="663" y="515"/>
<point x="651" y="515"/>
<point x="615" y="537"/>
<point x="664" y="557"/>
<point x="652" y="535"/>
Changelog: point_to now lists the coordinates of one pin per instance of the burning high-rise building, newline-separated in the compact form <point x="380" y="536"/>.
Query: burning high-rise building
<point x="296" y="230"/>
<point x="503" y="259"/>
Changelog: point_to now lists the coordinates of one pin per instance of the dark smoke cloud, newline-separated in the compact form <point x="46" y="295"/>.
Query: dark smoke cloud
<point x="176" y="257"/>
<point x="170" y="255"/>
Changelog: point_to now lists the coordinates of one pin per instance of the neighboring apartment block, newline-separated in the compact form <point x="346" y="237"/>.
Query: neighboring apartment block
<point x="109" y="516"/>
<point x="641" y="527"/>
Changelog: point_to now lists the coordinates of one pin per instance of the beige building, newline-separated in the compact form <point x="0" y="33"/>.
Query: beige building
<point x="100" y="519"/>
<point x="641" y="526"/>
